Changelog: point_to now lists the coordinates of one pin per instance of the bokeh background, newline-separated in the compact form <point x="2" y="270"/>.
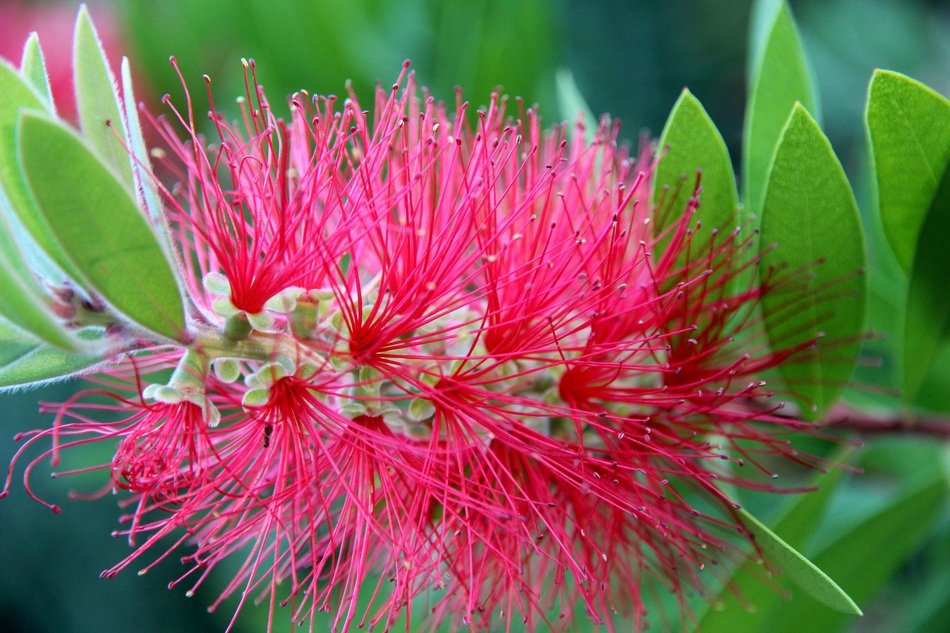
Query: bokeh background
<point x="630" y="58"/>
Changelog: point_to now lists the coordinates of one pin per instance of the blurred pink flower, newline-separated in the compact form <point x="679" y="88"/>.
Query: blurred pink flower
<point x="54" y="22"/>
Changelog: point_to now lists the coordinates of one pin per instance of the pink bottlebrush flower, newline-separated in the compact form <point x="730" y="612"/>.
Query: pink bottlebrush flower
<point x="439" y="361"/>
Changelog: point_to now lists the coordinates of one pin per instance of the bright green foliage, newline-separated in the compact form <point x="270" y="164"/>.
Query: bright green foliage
<point x="781" y="79"/>
<point x="927" y="320"/>
<point x="799" y="569"/>
<point x="860" y="559"/>
<point x="99" y="226"/>
<point x="864" y="557"/>
<point x="24" y="364"/>
<point x="19" y="95"/>
<point x="693" y="144"/>
<point x="761" y="19"/>
<point x="96" y="99"/>
<point x="143" y="182"/>
<point x="22" y="305"/>
<point x="33" y="68"/>
<point x="811" y="217"/>
<point x="724" y="612"/>
<point x="13" y="343"/>
<point x="909" y="128"/>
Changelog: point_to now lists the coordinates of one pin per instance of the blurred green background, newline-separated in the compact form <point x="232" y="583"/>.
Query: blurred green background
<point x="629" y="58"/>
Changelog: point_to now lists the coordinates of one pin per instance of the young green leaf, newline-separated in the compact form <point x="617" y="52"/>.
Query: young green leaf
<point x="811" y="217"/>
<point x="761" y="18"/>
<point x="19" y="95"/>
<point x="23" y="306"/>
<point x="145" y="189"/>
<point x="726" y="612"/>
<point x="927" y="316"/>
<point x="10" y="250"/>
<point x="13" y="343"/>
<point x="863" y="558"/>
<point x="799" y="569"/>
<point x="21" y="298"/>
<point x="99" y="226"/>
<point x="96" y="100"/>
<point x="32" y="364"/>
<point x="909" y="129"/>
<point x="571" y="103"/>
<point x="33" y="68"/>
<point x="141" y="164"/>
<point x="781" y="78"/>
<point x="693" y="144"/>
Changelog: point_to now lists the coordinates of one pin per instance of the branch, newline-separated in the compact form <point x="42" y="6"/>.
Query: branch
<point x="869" y="424"/>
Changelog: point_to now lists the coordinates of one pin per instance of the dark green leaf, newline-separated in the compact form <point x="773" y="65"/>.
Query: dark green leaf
<point x="33" y="68"/>
<point x="96" y="99"/>
<point x="909" y="127"/>
<point x="927" y="319"/>
<point x="693" y="144"/>
<point x="933" y="394"/>
<point x="99" y="226"/>
<point x="781" y="78"/>
<point x="30" y="364"/>
<point x="811" y="217"/>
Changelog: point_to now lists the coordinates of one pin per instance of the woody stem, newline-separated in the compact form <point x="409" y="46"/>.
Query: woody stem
<point x="865" y="423"/>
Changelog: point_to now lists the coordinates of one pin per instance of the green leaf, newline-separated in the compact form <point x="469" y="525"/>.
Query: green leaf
<point x="99" y="226"/>
<point x="18" y="95"/>
<point x="810" y="215"/>
<point x="927" y="317"/>
<point x="799" y="569"/>
<point x="909" y="129"/>
<point x="861" y="560"/>
<point x="726" y="612"/>
<point x="761" y="18"/>
<point x="865" y="557"/>
<point x="22" y="300"/>
<point x="33" y="68"/>
<point x="10" y="252"/>
<point x="21" y="305"/>
<point x="933" y="394"/>
<point x="97" y="102"/>
<point x="781" y="79"/>
<point x="141" y="164"/>
<point x="145" y="189"/>
<point x="13" y="343"/>
<point x="693" y="144"/>
<point x="572" y="103"/>
<point x="32" y="364"/>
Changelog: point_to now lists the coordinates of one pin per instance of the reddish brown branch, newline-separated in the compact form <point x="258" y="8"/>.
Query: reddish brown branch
<point x="869" y="424"/>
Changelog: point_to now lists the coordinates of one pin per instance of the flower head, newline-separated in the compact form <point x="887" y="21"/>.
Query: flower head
<point x="443" y="358"/>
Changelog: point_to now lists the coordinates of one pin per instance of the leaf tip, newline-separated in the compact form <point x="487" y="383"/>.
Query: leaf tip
<point x="32" y="41"/>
